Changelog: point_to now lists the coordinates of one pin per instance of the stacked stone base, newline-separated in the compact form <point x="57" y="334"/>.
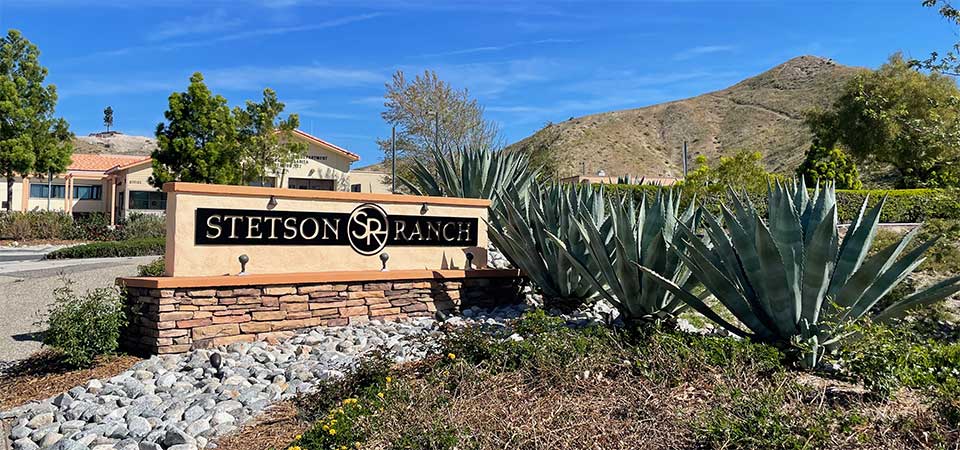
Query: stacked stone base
<point x="180" y="319"/>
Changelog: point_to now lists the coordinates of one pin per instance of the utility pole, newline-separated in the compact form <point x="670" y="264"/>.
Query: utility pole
<point x="436" y="130"/>
<point x="50" y="188"/>
<point x="393" y="163"/>
<point x="684" y="160"/>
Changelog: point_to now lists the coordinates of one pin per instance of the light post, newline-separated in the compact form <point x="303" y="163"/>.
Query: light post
<point x="393" y="162"/>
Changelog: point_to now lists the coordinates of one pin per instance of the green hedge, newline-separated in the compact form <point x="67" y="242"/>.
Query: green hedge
<point x="47" y="225"/>
<point x="903" y="205"/>
<point x="133" y="247"/>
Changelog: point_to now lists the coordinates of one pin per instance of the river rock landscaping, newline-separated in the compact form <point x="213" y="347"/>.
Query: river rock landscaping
<point x="186" y="401"/>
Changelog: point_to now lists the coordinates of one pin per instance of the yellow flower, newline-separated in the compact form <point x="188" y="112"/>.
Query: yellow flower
<point x="389" y="379"/>
<point x="295" y="447"/>
<point x="451" y="356"/>
<point x="326" y="427"/>
<point x="298" y="437"/>
<point x="343" y="447"/>
<point x="332" y="431"/>
<point x="356" y="445"/>
<point x="380" y="394"/>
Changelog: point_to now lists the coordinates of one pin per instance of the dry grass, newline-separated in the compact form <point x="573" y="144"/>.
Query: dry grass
<point x="274" y="429"/>
<point x="43" y="375"/>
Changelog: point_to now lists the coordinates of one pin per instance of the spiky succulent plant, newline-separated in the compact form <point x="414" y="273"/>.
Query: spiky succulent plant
<point x="471" y="173"/>
<point x="790" y="280"/>
<point x="636" y="237"/>
<point x="522" y="230"/>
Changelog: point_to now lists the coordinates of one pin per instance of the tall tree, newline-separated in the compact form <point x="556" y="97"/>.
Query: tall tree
<point x="267" y="139"/>
<point x="108" y="117"/>
<point x="199" y="140"/>
<point x="429" y="113"/>
<point x="948" y="63"/>
<point x="898" y="116"/>
<point x="32" y="140"/>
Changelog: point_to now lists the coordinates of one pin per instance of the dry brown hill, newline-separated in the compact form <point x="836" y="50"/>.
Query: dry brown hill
<point x="763" y="113"/>
<point x="114" y="143"/>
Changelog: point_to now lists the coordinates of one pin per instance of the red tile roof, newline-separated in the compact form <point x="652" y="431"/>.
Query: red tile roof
<point x="102" y="163"/>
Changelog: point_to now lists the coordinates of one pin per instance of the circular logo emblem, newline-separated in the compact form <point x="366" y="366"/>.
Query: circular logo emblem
<point x="367" y="229"/>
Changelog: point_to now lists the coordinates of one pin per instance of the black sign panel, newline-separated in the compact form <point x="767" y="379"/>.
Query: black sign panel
<point x="368" y="229"/>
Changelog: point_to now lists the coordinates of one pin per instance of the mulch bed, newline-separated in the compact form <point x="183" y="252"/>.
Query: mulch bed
<point x="275" y="429"/>
<point x="43" y="375"/>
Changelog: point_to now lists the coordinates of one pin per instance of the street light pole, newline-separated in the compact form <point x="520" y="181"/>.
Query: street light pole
<point x="436" y="130"/>
<point x="393" y="163"/>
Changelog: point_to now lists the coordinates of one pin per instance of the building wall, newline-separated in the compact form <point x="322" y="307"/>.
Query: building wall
<point x="319" y="164"/>
<point x="372" y="182"/>
<point x="17" y="193"/>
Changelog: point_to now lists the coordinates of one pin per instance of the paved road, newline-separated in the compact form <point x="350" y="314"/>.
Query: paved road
<point x="26" y="290"/>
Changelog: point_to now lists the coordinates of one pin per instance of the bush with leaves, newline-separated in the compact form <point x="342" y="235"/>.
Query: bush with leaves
<point x="825" y="165"/>
<point x="94" y="227"/>
<point x="142" y="226"/>
<point x="84" y="326"/>
<point x="154" y="268"/>
<point x="111" y="249"/>
<point x="35" y="225"/>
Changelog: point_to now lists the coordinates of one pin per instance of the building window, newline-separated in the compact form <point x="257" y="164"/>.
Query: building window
<point x="267" y="182"/>
<point x="354" y="188"/>
<point x="148" y="200"/>
<point x="40" y="191"/>
<point x="311" y="184"/>
<point x="87" y="192"/>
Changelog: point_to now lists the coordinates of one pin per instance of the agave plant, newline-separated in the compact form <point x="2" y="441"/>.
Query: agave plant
<point x="472" y="173"/>
<point x="636" y="238"/>
<point x="524" y="230"/>
<point x="791" y="281"/>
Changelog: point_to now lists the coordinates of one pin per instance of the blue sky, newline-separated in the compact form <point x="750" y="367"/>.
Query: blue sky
<point x="528" y="62"/>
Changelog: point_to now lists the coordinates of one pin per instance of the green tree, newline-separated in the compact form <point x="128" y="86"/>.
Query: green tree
<point x="743" y="170"/>
<point x="108" y="117"/>
<point x="198" y="142"/>
<point x="429" y="113"/>
<point x="32" y="140"/>
<point x="822" y="164"/>
<point x="267" y="139"/>
<point x="949" y="63"/>
<point x="898" y="116"/>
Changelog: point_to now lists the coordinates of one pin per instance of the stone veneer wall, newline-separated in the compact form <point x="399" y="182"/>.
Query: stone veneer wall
<point x="177" y="320"/>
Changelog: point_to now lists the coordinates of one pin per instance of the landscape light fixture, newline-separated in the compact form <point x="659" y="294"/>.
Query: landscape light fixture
<point x="272" y="203"/>
<point x="469" y="261"/>
<point x="244" y="259"/>
<point x="383" y="261"/>
<point x="424" y="209"/>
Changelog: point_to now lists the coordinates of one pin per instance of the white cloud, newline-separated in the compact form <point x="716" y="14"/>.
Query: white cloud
<point x="212" y="22"/>
<point x="497" y="48"/>
<point x="239" y="35"/>
<point x="240" y="78"/>
<point x="694" y="52"/>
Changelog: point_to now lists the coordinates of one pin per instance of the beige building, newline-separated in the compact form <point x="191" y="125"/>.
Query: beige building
<point x="118" y="184"/>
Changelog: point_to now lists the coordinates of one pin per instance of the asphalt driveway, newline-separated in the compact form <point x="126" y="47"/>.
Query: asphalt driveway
<point x="26" y="291"/>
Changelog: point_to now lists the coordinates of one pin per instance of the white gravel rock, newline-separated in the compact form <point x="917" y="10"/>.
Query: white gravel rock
<point x="181" y="402"/>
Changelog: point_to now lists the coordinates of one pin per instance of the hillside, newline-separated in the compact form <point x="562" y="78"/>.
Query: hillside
<point x="114" y="143"/>
<point x="763" y="113"/>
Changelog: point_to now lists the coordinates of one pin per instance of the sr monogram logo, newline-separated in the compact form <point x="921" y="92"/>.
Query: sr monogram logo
<point x="367" y="229"/>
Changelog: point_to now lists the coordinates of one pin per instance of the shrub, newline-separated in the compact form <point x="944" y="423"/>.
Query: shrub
<point x="823" y="165"/>
<point x="35" y="225"/>
<point x="93" y="227"/>
<point x="153" y="269"/>
<point x="142" y="226"/>
<point x="136" y="247"/>
<point x="84" y="326"/>
<point x="885" y="358"/>
<point x="902" y="205"/>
